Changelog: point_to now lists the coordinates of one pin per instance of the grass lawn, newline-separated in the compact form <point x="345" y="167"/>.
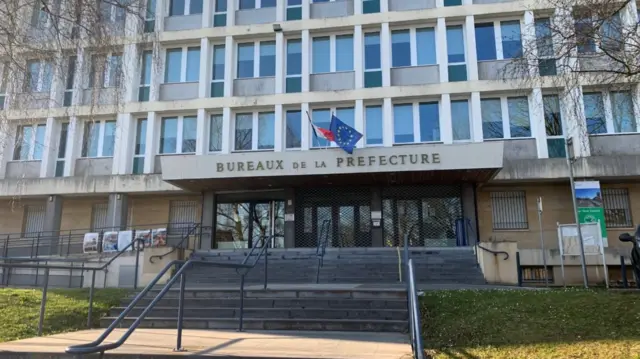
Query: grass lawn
<point x="593" y="324"/>
<point x="66" y="310"/>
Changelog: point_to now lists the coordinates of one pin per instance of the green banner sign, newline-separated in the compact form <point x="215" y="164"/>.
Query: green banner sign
<point x="589" y="203"/>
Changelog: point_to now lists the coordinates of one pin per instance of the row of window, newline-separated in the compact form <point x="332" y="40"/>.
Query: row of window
<point x="509" y="209"/>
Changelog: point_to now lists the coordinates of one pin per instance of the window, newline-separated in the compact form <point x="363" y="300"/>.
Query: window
<point x="544" y="44"/>
<point x="455" y="54"/>
<point x="68" y="88"/>
<point x="535" y="274"/>
<point x="294" y="66"/>
<point x="507" y="35"/>
<point x="261" y="63"/>
<point x="33" y="220"/>
<point x="185" y="7"/>
<point x="220" y="13"/>
<point x="106" y="71"/>
<point x="182" y="65"/>
<point x="254" y="131"/>
<point x="452" y="2"/>
<point x="594" y="113"/>
<point x="150" y="16"/>
<point x="182" y="216"/>
<point x="99" y="138"/>
<point x="99" y="215"/>
<point x="29" y="142"/>
<point x="553" y="125"/>
<point x="145" y="76"/>
<point x="505" y="117"/>
<point x="485" y="42"/>
<point x="141" y="146"/>
<point x="622" y="111"/>
<point x="217" y="73"/>
<point x="617" y="211"/>
<point x="62" y="149"/>
<point x="38" y="76"/>
<point x="332" y="54"/>
<point x="4" y="76"/>
<point x="178" y="134"/>
<point x="40" y="16"/>
<point x="322" y="118"/>
<point x="373" y="125"/>
<point x="294" y="10"/>
<point x="111" y="12"/>
<point x="370" y="6"/>
<point x="372" y="58"/>
<point x="293" y="129"/>
<point x="417" y="122"/>
<point x="414" y="47"/>
<point x="608" y="33"/>
<point x="215" y="133"/>
<point x="256" y="4"/>
<point x="460" y="120"/>
<point x="509" y="210"/>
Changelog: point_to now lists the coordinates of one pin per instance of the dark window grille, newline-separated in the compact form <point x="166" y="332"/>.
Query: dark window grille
<point x="617" y="210"/>
<point x="537" y="274"/>
<point x="509" y="210"/>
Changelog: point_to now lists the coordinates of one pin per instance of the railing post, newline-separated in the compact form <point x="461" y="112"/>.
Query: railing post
<point x="43" y="303"/>
<point x="137" y="267"/>
<point x="623" y="269"/>
<point x="241" y="302"/>
<point x="69" y="244"/>
<point x="266" y="262"/>
<point x="183" y="280"/>
<point x="519" y="269"/>
<point x="91" y="289"/>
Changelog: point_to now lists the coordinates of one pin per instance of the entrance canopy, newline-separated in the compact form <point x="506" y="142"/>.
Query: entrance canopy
<point x="429" y="163"/>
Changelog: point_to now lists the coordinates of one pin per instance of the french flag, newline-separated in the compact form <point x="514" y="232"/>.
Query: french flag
<point x="320" y="132"/>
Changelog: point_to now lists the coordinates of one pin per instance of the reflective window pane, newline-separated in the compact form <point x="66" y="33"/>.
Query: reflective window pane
<point x="215" y="133"/>
<point x="38" y="146"/>
<point x="373" y="125"/>
<point x="552" y="117"/>
<point x="622" y="109"/>
<point x="195" y="7"/>
<point x="485" y="42"/>
<point x="429" y="113"/>
<point x="372" y="51"/>
<point x="141" y="137"/>
<point x="460" y="120"/>
<point x="267" y="58"/>
<point x="25" y="140"/>
<point x="245" y="60"/>
<point x="344" y="53"/>
<point x="109" y="138"/>
<point x="218" y="62"/>
<point x="92" y="139"/>
<point x="519" y="122"/>
<point x="266" y="130"/>
<point x="400" y="48"/>
<point x="594" y="113"/>
<point x="193" y="64"/>
<point x="189" y="134"/>
<point x="321" y="55"/>
<point x="294" y="57"/>
<point x="169" y="135"/>
<point x="426" y="46"/>
<point x="511" y="39"/>
<point x="247" y="4"/>
<point x="491" y="111"/>
<point x="244" y="131"/>
<point x="173" y="66"/>
<point x="147" y="58"/>
<point x="455" y="44"/>
<point x="176" y="7"/>
<point x="33" y="72"/>
<point x="320" y="118"/>
<point x="346" y="115"/>
<point x="403" y="124"/>
<point x="294" y="129"/>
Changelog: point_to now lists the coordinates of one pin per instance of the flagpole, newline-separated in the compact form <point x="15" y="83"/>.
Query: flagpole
<point x="315" y="135"/>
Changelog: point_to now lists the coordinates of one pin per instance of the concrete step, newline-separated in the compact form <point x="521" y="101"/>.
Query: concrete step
<point x="310" y="293"/>
<point x="364" y="325"/>
<point x="257" y="312"/>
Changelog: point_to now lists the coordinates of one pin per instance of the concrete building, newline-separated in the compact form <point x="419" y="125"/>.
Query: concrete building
<point x="213" y="129"/>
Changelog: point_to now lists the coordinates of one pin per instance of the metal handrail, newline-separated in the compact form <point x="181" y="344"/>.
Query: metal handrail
<point x="495" y="253"/>
<point x="321" y="247"/>
<point x="263" y="251"/>
<point x="415" y="328"/>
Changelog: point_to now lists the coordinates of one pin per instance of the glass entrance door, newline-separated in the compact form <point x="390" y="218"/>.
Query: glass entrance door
<point x="341" y="225"/>
<point x="244" y="224"/>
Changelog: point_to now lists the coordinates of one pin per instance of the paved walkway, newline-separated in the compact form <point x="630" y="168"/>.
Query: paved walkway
<point x="161" y="342"/>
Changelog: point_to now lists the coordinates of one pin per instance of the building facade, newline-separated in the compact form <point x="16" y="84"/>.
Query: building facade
<point x="208" y="122"/>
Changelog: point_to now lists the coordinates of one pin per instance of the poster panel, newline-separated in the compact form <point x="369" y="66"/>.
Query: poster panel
<point x="124" y="239"/>
<point x="144" y="236"/>
<point x="90" y="243"/>
<point x="110" y="242"/>
<point x="159" y="237"/>
<point x="589" y="206"/>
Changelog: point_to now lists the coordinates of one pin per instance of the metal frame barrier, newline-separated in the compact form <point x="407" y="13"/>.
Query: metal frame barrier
<point x="415" y="328"/>
<point x="243" y="269"/>
<point x="321" y="247"/>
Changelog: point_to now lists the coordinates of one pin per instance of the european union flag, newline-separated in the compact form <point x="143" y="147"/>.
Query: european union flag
<point x="344" y="135"/>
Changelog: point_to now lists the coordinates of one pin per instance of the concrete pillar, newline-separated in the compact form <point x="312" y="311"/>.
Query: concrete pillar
<point x="51" y="227"/>
<point x="74" y="146"/>
<point x="231" y="13"/>
<point x="446" y="128"/>
<point x="469" y="212"/>
<point x="229" y="65"/>
<point x="289" y="218"/>
<point x="208" y="220"/>
<point x="50" y="153"/>
<point x="529" y="42"/>
<point x="281" y="52"/>
<point x="306" y="56"/>
<point x="226" y="130"/>
<point x="441" y="49"/>
<point x="385" y="52"/>
<point x="472" y="56"/>
<point x="476" y="118"/>
<point x="538" y="128"/>
<point x="78" y="82"/>
<point x="387" y="122"/>
<point x="358" y="56"/>
<point x="203" y="132"/>
<point x="58" y="81"/>
<point x="279" y="125"/>
<point x="359" y="121"/>
<point x="7" y="139"/>
<point x="204" y="84"/>
<point x="305" y="134"/>
<point x="377" y="237"/>
<point x="125" y="135"/>
<point x="574" y="121"/>
<point x="153" y="129"/>
<point x="118" y="211"/>
<point x="207" y="14"/>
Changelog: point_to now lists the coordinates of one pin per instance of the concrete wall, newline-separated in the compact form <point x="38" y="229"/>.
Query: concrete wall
<point x="77" y="213"/>
<point x="498" y="269"/>
<point x="94" y="166"/>
<point x="155" y="210"/>
<point x="12" y="213"/>
<point x="184" y="22"/>
<point x="415" y="75"/>
<point x="611" y="145"/>
<point x="23" y="169"/>
<point x="179" y="91"/>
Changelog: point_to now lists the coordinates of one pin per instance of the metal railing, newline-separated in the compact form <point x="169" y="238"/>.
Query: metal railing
<point x="415" y="329"/>
<point x="495" y="253"/>
<point x="186" y="236"/>
<point x="321" y="247"/>
<point x="242" y="268"/>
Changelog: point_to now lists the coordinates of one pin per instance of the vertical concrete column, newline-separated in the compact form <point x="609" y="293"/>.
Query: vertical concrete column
<point x="231" y="13"/>
<point x="74" y="146"/>
<point x="159" y="16"/>
<point x="441" y="49"/>
<point x="357" y="7"/>
<point x="204" y="81"/>
<point x="476" y="118"/>
<point x="56" y="94"/>
<point x="157" y="71"/>
<point x="469" y="212"/>
<point x="78" y="81"/>
<point x="279" y="128"/>
<point x="229" y="65"/>
<point x="50" y="151"/>
<point x="207" y="14"/>
<point x="117" y="211"/>
<point x="387" y="122"/>
<point x="131" y="71"/>
<point x="377" y="238"/>
<point x="472" y="56"/>
<point x="203" y="132"/>
<point x="529" y="42"/>
<point x="51" y="226"/>
<point x="384" y="5"/>
<point x="538" y="128"/>
<point x="446" y="128"/>
<point x="280" y="55"/>
<point x="306" y="13"/>
<point x="281" y="9"/>
<point x="208" y="220"/>
<point x="574" y="121"/>
<point x="306" y="56"/>
<point x="125" y="135"/>
<point x="226" y="130"/>
<point x="358" y="56"/>
<point x="305" y="133"/>
<point x="385" y="52"/>
<point x="7" y="139"/>
<point x="359" y="121"/>
<point x="153" y="129"/>
<point x="563" y="19"/>
<point x="289" y="218"/>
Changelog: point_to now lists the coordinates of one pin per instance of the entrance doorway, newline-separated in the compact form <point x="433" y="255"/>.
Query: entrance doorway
<point x="343" y="225"/>
<point x="243" y="224"/>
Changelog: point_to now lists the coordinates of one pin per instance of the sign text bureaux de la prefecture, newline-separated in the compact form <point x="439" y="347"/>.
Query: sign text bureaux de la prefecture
<point x="419" y="159"/>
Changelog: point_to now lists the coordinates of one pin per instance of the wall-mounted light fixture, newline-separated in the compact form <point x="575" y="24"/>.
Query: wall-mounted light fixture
<point x="277" y="28"/>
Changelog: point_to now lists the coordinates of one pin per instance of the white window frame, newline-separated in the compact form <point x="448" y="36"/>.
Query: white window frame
<point x="464" y="45"/>
<point x="364" y="123"/>
<point x="187" y="8"/>
<point x="54" y="6"/>
<point x="284" y="127"/>
<point x="222" y="134"/>
<point x="215" y="12"/>
<point x="4" y="78"/>
<point x="413" y="43"/>
<point x="333" y="110"/>
<point x="594" y="19"/>
<point x="113" y="13"/>
<point x="608" y="111"/>
<point x="470" y="116"/>
<point x="256" y="58"/>
<point x="497" y="34"/>
<point x="32" y="144"/>
<point x="142" y="83"/>
<point x="213" y="59"/>
<point x="179" y="134"/>
<point x="364" y="45"/>
<point x="101" y="128"/>
<point x="106" y="82"/>
<point x="258" y="5"/>
<point x="415" y="107"/>
<point x="286" y="58"/>
<point x="255" y="129"/>
<point x="183" y="63"/>
<point x="562" y="115"/>
<point x="332" y="52"/>
<point x="135" y="140"/>
<point x="292" y="6"/>
<point x="506" y="120"/>
<point x="41" y="72"/>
